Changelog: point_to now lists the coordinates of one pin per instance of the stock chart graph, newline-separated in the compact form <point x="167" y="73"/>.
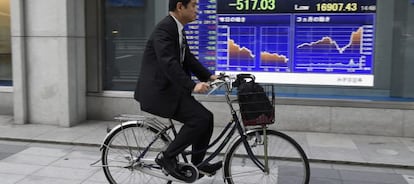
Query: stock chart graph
<point x="334" y="46"/>
<point x="262" y="45"/>
<point x="274" y="49"/>
<point x="314" y="42"/>
<point x="237" y="46"/>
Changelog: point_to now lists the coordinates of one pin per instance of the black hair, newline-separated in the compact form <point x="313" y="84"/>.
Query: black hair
<point x="173" y="4"/>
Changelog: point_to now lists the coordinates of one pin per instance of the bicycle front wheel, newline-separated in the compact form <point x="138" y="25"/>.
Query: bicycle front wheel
<point x="121" y="153"/>
<point x="284" y="160"/>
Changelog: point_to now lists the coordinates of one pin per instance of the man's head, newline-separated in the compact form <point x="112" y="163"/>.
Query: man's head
<point x="184" y="10"/>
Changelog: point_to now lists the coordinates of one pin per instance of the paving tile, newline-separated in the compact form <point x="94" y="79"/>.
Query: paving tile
<point x="93" y="136"/>
<point x="93" y="182"/>
<point x="12" y="142"/>
<point x="73" y="163"/>
<point x="30" y="159"/>
<point x="51" y="152"/>
<point x="98" y="176"/>
<point x="5" y="120"/>
<point x="299" y="137"/>
<point x="317" y="180"/>
<point x="63" y="134"/>
<point x="13" y="168"/>
<point x="314" y="165"/>
<point x="341" y="154"/>
<point x="379" y="141"/>
<point x="218" y="178"/>
<point x="404" y="171"/>
<point x="371" y="177"/>
<point x="362" y="182"/>
<point x="89" y="155"/>
<point x="10" y="178"/>
<point x="325" y="173"/>
<point x="341" y="147"/>
<point x="389" y="154"/>
<point x="407" y="141"/>
<point x="90" y="139"/>
<point x="86" y="148"/>
<point x="409" y="179"/>
<point x="207" y="180"/>
<point x="5" y="155"/>
<point x="136" y="178"/>
<point x="46" y="180"/>
<point x="48" y="145"/>
<point x="330" y="141"/>
<point x="289" y="180"/>
<point x="97" y="125"/>
<point x="65" y="173"/>
<point x="363" y="168"/>
<point x="380" y="149"/>
<point x="7" y="148"/>
<point x="29" y="131"/>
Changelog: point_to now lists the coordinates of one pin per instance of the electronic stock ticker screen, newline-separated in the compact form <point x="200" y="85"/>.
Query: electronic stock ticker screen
<point x="309" y="42"/>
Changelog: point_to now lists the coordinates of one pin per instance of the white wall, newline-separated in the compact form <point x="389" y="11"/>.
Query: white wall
<point x="310" y="115"/>
<point x="49" y="55"/>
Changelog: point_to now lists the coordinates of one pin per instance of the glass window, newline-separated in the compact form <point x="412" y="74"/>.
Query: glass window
<point x="344" y="55"/>
<point x="5" y="44"/>
<point x="125" y="38"/>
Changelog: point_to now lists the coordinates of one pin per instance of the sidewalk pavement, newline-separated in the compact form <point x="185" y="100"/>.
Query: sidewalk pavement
<point x="378" y="151"/>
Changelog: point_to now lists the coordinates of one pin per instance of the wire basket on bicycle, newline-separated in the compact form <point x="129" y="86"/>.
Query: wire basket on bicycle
<point x="255" y="106"/>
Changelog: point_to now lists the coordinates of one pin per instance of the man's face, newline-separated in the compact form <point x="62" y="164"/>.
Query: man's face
<point x="189" y="13"/>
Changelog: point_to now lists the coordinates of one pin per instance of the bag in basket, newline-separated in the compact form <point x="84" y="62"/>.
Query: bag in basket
<point x="255" y="107"/>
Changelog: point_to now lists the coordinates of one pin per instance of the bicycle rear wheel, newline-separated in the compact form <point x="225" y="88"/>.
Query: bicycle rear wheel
<point x="121" y="151"/>
<point x="286" y="160"/>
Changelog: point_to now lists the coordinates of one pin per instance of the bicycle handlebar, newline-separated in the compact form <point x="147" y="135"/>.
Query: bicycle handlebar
<point x="216" y="84"/>
<point x="221" y="80"/>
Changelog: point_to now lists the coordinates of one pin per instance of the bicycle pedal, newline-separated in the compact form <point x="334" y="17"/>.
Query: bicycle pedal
<point x="165" y="172"/>
<point x="206" y="174"/>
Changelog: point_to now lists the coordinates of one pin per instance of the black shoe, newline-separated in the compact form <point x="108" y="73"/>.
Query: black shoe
<point x="200" y="175"/>
<point x="209" y="169"/>
<point x="170" y="166"/>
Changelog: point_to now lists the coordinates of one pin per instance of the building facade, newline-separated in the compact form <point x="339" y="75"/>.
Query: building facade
<point x="65" y="61"/>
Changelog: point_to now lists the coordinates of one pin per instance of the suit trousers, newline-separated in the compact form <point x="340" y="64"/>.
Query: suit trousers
<point x="196" y="131"/>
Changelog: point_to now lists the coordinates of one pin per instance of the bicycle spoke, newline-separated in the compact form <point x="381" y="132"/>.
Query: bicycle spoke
<point x="119" y="151"/>
<point x="244" y="173"/>
<point x="113" y="160"/>
<point x="285" y="159"/>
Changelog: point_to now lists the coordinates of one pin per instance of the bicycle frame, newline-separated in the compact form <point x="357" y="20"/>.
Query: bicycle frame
<point x="231" y="127"/>
<point x="141" y="157"/>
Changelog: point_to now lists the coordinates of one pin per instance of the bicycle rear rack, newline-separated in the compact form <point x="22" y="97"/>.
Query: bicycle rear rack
<point x="122" y="118"/>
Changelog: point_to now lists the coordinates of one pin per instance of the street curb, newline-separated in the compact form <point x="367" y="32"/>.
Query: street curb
<point x="311" y="160"/>
<point x="49" y="142"/>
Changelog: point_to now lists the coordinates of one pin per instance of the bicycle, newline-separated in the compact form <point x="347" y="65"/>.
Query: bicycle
<point x="257" y="155"/>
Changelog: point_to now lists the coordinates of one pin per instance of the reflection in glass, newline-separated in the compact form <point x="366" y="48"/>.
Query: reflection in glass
<point x="125" y="25"/>
<point x="5" y="44"/>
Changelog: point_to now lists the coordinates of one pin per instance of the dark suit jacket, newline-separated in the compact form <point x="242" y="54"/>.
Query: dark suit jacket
<point x="163" y="81"/>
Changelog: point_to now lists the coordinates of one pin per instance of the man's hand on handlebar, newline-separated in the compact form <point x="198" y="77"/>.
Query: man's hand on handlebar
<point x="216" y="81"/>
<point x="214" y="77"/>
<point x="201" y="87"/>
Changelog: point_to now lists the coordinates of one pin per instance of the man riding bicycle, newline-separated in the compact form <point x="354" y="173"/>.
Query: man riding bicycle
<point x="165" y="88"/>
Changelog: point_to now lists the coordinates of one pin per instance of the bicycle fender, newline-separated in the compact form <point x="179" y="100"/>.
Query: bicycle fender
<point x="239" y="137"/>
<point x="236" y="139"/>
<point x="143" y="123"/>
